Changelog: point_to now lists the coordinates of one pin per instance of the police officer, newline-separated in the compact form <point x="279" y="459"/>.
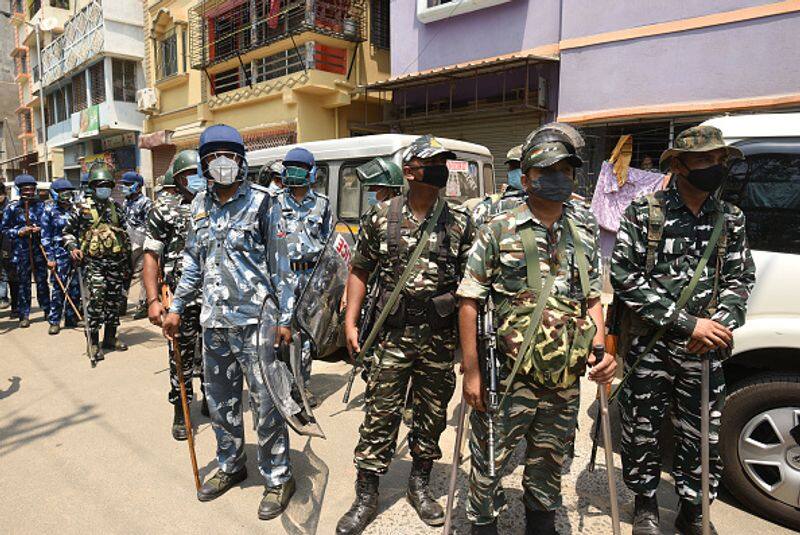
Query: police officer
<point x="660" y="242"/>
<point x="540" y="246"/>
<point x="22" y="223"/>
<point x="167" y="228"/>
<point x="271" y="176"/>
<point x="508" y="199"/>
<point x="136" y="206"/>
<point x="6" y="247"/>
<point x="383" y="179"/>
<point x="417" y="342"/>
<point x="233" y="257"/>
<point x="95" y="235"/>
<point x="308" y="222"/>
<point x="53" y="221"/>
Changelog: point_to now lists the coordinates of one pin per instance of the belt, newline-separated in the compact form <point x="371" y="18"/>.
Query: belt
<point x="302" y="266"/>
<point x="416" y="311"/>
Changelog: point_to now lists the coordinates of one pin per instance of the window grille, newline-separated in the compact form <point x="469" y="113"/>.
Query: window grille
<point x="97" y="83"/>
<point x="276" y="65"/>
<point x="379" y="23"/>
<point x="124" y="80"/>
<point x="167" y="55"/>
<point x="79" y="91"/>
<point x="230" y="80"/>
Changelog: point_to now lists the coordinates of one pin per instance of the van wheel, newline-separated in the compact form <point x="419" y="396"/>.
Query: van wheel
<point x="760" y="446"/>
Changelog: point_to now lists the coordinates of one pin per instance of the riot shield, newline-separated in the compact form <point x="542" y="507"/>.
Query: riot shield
<point x="280" y="371"/>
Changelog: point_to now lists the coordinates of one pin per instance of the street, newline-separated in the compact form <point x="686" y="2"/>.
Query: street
<point x="89" y="451"/>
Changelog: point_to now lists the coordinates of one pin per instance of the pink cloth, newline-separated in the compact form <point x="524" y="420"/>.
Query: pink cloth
<point x="610" y="201"/>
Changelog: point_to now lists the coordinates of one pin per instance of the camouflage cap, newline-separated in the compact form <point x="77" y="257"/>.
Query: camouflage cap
<point x="515" y="154"/>
<point x="425" y="147"/>
<point x="547" y="154"/>
<point x="699" y="139"/>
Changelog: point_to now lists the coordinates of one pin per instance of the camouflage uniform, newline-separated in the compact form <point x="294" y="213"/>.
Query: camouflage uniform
<point x="53" y="221"/>
<point x="308" y="225"/>
<point x="136" y="211"/>
<point x="545" y="417"/>
<point x="668" y="374"/>
<point x="231" y="259"/>
<point x="14" y="219"/>
<point x="417" y="351"/>
<point x="104" y="275"/>
<point x="496" y="204"/>
<point x="167" y="227"/>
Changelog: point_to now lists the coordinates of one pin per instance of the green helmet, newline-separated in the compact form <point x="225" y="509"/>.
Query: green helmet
<point x="380" y="172"/>
<point x="168" y="180"/>
<point x="100" y="173"/>
<point x="185" y="159"/>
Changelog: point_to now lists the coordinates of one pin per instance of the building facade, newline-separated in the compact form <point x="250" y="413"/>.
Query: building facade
<point x="280" y="71"/>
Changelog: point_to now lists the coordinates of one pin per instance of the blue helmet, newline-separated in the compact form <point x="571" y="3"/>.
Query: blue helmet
<point x="132" y="177"/>
<point x="62" y="184"/>
<point x="299" y="168"/>
<point x="222" y="169"/>
<point x="220" y="137"/>
<point x="24" y="180"/>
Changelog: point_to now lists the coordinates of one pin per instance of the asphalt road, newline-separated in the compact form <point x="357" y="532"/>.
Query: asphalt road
<point x="90" y="451"/>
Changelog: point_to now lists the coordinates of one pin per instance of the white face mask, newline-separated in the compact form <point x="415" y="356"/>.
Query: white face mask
<point x="223" y="170"/>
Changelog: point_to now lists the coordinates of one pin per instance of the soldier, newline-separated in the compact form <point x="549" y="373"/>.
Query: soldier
<point x="22" y="223"/>
<point x="510" y="198"/>
<point x="383" y="179"/>
<point x="660" y="242"/>
<point x="234" y="258"/>
<point x="417" y="341"/>
<point x="136" y="207"/>
<point x="167" y="227"/>
<point x="308" y="220"/>
<point x="521" y="257"/>
<point x="95" y="234"/>
<point x="53" y="221"/>
<point x="271" y="177"/>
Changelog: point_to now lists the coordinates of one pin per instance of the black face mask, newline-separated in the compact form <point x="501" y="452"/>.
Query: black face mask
<point x="553" y="186"/>
<point x="708" y="179"/>
<point x="435" y="175"/>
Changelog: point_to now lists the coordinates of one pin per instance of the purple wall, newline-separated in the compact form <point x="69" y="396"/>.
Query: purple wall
<point x="754" y="58"/>
<point x="517" y="25"/>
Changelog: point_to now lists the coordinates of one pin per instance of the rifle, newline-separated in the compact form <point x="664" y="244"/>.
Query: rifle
<point x="364" y="328"/>
<point x="86" y="329"/>
<point x="488" y="345"/>
<point x="166" y="300"/>
<point x="605" y="421"/>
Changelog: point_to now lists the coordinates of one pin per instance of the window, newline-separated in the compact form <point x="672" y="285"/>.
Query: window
<point x="433" y="10"/>
<point x="767" y="189"/>
<point x="50" y="109"/>
<point x="79" y="91"/>
<point x="321" y="182"/>
<point x="462" y="184"/>
<point x="61" y="4"/>
<point x="22" y="63"/>
<point x="124" y="80"/>
<point x="350" y="198"/>
<point x="488" y="179"/>
<point x="33" y="7"/>
<point x="97" y="83"/>
<point x="230" y="33"/>
<point x="276" y="65"/>
<point x="167" y="55"/>
<point x="379" y="23"/>
<point x="25" y="122"/>
<point x="230" y="80"/>
<point x="60" y="101"/>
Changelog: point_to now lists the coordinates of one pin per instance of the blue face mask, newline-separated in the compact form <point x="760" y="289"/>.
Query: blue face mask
<point x="195" y="183"/>
<point x="515" y="179"/>
<point x="372" y="198"/>
<point x="102" y="193"/>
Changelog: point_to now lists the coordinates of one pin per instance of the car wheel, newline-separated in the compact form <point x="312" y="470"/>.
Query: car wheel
<point x="760" y="454"/>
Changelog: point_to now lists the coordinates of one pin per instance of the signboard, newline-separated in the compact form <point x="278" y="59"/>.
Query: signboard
<point x="104" y="157"/>
<point x="458" y="166"/>
<point x="120" y="140"/>
<point x="90" y="121"/>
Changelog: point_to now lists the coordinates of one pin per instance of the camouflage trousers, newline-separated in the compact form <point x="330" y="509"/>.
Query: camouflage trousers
<point x="230" y="358"/>
<point x="24" y="273"/>
<point x="306" y="357"/>
<point x="425" y="358"/>
<point x="668" y="376"/>
<point x="546" y="419"/>
<point x="134" y="274"/>
<point x="104" y="278"/>
<point x="58" y="304"/>
<point x="188" y="334"/>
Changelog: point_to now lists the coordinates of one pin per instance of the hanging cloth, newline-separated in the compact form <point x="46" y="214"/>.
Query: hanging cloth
<point x="621" y="158"/>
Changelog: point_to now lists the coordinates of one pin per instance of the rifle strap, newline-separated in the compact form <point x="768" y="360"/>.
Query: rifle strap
<point x="683" y="298"/>
<point x="401" y="282"/>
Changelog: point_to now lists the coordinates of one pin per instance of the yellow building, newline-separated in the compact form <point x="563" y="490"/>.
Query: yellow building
<point x="280" y="71"/>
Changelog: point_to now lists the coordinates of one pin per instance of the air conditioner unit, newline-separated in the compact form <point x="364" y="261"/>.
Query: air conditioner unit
<point x="147" y="100"/>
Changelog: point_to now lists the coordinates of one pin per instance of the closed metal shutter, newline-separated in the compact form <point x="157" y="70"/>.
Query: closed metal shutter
<point x="162" y="158"/>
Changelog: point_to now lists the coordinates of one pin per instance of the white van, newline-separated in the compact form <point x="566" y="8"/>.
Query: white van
<point x="471" y="174"/>
<point x="760" y="436"/>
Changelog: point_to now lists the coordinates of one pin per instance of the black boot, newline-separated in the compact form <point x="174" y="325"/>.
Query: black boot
<point x="419" y="493"/>
<point x="95" y="351"/>
<point x="645" y="515"/>
<point x="690" y="519"/>
<point x="484" y="529"/>
<point x="540" y="522"/>
<point x="110" y="340"/>
<point x="275" y="500"/>
<point x="220" y="483"/>
<point x="24" y="323"/>
<point x="204" y="407"/>
<point x="178" y="423"/>
<point x="364" y="508"/>
<point x="54" y="328"/>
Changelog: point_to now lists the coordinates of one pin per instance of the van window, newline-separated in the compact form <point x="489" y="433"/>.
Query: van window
<point x="488" y="179"/>
<point x="767" y="189"/>
<point x="462" y="184"/>
<point x="321" y="184"/>
<point x="349" y="198"/>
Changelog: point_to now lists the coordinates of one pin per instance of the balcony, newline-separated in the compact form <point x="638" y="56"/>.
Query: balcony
<point x="56" y="10"/>
<point x="225" y="29"/>
<point x="114" y="117"/>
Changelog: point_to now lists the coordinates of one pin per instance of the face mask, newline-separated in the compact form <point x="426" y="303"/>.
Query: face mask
<point x="435" y="175"/>
<point x="102" y="193"/>
<point x="553" y="186"/>
<point x="223" y="170"/>
<point x="515" y="179"/>
<point x="708" y="179"/>
<point x="125" y="190"/>
<point x="195" y="183"/>
<point x="372" y="198"/>
<point x="65" y="197"/>
<point x="28" y="194"/>
<point x="273" y="187"/>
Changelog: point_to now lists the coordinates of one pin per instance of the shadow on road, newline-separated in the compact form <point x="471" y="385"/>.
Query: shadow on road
<point x="23" y="430"/>
<point x="13" y="388"/>
<point x="324" y="385"/>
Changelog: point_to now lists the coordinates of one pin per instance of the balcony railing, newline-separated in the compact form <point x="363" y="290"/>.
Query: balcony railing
<point x="82" y="40"/>
<point x="224" y="29"/>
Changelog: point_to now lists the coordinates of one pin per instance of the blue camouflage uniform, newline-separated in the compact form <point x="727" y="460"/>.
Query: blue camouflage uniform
<point x="54" y="219"/>
<point x="308" y="226"/>
<point x="14" y="219"/>
<point x="233" y="258"/>
<point x="136" y="211"/>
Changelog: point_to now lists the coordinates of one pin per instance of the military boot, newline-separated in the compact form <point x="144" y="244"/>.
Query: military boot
<point x="110" y="340"/>
<point x="275" y="500"/>
<point x="645" y="515"/>
<point x="364" y="508"/>
<point x="419" y="493"/>
<point x="484" y="529"/>
<point x="95" y="351"/>
<point x="690" y="519"/>
<point x="540" y="522"/>
<point x="178" y="423"/>
<point x="24" y="323"/>
<point x="54" y="329"/>
<point x="219" y="484"/>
